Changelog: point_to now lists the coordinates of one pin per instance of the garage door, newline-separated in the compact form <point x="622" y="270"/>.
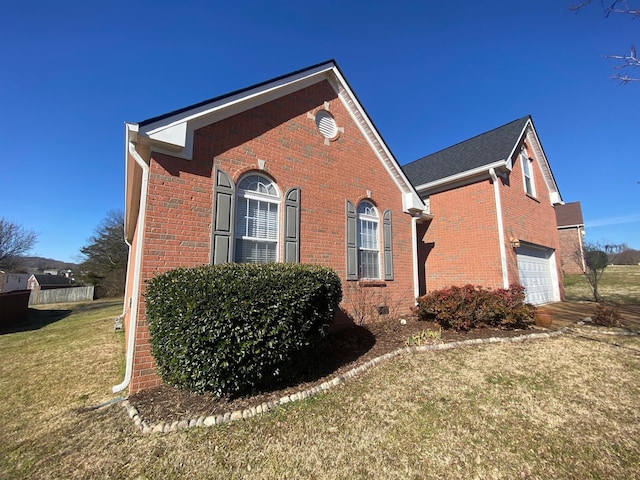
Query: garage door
<point x="536" y="274"/>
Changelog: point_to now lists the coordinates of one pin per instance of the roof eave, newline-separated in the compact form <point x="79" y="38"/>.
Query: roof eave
<point x="462" y="178"/>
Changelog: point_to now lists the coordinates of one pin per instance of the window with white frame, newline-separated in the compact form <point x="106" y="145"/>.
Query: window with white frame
<point x="368" y="241"/>
<point x="527" y="173"/>
<point x="256" y="220"/>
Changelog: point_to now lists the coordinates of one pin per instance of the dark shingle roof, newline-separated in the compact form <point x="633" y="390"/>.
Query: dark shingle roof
<point x="484" y="149"/>
<point x="231" y="94"/>
<point x="569" y="214"/>
<point x="52" y="279"/>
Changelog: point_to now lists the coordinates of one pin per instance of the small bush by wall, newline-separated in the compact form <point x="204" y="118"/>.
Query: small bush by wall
<point x="232" y="328"/>
<point x="466" y="307"/>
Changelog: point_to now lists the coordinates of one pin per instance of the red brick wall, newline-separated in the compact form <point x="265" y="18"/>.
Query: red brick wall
<point x="179" y="209"/>
<point x="527" y="218"/>
<point x="461" y="243"/>
<point x="570" y="241"/>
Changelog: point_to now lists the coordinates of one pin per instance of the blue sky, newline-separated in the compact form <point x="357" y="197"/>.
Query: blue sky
<point x="429" y="74"/>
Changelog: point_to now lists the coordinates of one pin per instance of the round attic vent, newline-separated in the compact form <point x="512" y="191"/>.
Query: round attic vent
<point x="326" y="124"/>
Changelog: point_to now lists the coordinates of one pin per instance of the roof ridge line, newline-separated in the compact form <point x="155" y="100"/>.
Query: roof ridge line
<point x="468" y="139"/>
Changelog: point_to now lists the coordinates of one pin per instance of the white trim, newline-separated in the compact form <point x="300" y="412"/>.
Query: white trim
<point x="543" y="163"/>
<point x="244" y="194"/>
<point x="462" y="176"/>
<point x="414" y="246"/>
<point x="375" y="219"/>
<point x="410" y="200"/>
<point x="555" y="282"/>
<point x="565" y="227"/>
<point x="501" y="239"/>
<point x="174" y="135"/>
<point x="133" y="320"/>
<point x="526" y="160"/>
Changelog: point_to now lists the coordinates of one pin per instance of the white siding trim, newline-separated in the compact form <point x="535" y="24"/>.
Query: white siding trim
<point x="503" y="250"/>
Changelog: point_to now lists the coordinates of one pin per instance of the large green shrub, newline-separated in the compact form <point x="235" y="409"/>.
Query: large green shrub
<point x="466" y="307"/>
<point x="232" y="328"/>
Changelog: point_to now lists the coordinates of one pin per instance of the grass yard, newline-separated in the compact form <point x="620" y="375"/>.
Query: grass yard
<point x="558" y="408"/>
<point x="619" y="284"/>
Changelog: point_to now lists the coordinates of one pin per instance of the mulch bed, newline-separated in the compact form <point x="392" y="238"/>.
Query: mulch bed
<point x="345" y="350"/>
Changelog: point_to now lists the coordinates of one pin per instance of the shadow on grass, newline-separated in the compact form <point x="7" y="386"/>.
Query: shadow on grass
<point x="36" y="319"/>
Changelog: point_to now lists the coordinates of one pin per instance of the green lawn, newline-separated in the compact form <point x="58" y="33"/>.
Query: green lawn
<point x="558" y="408"/>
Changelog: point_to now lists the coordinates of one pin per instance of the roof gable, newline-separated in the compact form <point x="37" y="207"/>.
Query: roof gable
<point x="46" y="279"/>
<point x="569" y="215"/>
<point x="467" y="161"/>
<point x="172" y="133"/>
<point x="480" y="151"/>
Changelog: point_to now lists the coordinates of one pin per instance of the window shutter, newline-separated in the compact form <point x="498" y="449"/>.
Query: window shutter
<point x="352" y="246"/>
<point x="292" y="225"/>
<point x="387" y="240"/>
<point x="223" y="210"/>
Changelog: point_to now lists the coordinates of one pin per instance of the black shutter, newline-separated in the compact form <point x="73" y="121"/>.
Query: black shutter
<point x="292" y="225"/>
<point x="387" y="240"/>
<point x="352" y="244"/>
<point x="223" y="217"/>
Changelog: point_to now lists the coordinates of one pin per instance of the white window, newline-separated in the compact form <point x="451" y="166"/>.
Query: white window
<point x="527" y="172"/>
<point x="257" y="217"/>
<point x="368" y="241"/>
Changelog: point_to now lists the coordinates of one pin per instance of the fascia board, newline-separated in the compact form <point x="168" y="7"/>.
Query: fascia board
<point x="462" y="178"/>
<point x="131" y="136"/>
<point x="411" y="201"/>
<point x="567" y="227"/>
<point x="543" y="162"/>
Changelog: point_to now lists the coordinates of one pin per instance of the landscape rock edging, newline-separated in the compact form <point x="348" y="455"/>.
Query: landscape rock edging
<point x="219" y="419"/>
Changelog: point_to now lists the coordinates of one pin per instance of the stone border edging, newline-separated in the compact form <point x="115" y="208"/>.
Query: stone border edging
<point x="166" y="427"/>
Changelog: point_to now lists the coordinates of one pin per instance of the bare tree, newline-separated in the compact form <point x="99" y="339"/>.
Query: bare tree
<point x="596" y="258"/>
<point x="629" y="64"/>
<point x="15" y="241"/>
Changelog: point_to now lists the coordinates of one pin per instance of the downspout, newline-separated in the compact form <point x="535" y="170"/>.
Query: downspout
<point x="503" y="250"/>
<point x="131" y="341"/>
<point x="416" y="277"/>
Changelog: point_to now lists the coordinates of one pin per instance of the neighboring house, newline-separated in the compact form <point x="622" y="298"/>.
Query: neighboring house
<point x="288" y="170"/>
<point x="47" y="282"/>
<point x="571" y="234"/>
<point x="492" y="198"/>
<point x="10" y="282"/>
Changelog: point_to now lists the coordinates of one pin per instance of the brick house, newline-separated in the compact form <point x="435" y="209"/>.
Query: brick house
<point x="38" y="282"/>
<point x="291" y="169"/>
<point x="492" y="198"/>
<point x="571" y="236"/>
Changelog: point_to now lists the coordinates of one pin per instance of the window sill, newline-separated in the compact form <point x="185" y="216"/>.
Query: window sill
<point x="371" y="283"/>
<point x="532" y="197"/>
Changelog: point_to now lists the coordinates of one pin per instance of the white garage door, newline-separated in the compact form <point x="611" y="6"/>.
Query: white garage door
<point x="536" y="274"/>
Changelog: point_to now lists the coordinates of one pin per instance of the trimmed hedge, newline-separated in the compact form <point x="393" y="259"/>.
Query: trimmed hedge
<point x="467" y="307"/>
<point x="232" y="328"/>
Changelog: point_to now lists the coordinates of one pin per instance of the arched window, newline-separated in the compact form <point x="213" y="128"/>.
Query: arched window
<point x="368" y="241"/>
<point x="256" y="220"/>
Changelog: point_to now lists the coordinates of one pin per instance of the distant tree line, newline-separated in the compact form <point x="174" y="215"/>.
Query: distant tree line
<point x="627" y="256"/>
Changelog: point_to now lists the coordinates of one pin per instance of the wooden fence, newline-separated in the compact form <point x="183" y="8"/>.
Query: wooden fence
<point x="61" y="295"/>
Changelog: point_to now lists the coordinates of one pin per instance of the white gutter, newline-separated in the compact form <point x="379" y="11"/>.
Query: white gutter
<point x="503" y="250"/>
<point x="461" y="176"/>
<point x="416" y="277"/>
<point x="131" y="341"/>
